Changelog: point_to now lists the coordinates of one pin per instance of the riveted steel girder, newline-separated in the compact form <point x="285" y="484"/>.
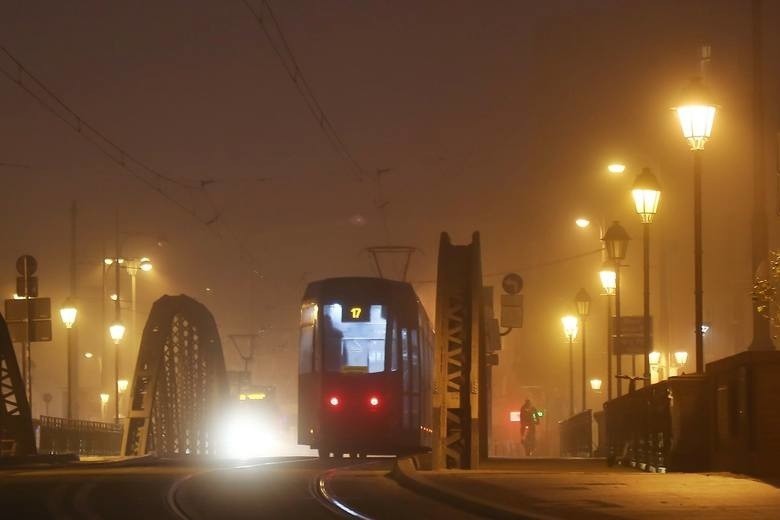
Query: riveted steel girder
<point x="180" y="384"/>
<point x="16" y="430"/>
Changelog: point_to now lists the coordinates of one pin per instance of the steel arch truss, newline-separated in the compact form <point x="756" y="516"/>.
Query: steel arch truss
<point x="180" y="383"/>
<point x="16" y="431"/>
<point x="458" y="346"/>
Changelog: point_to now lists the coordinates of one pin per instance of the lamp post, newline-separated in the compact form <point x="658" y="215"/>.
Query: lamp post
<point x="583" y="309"/>
<point x="608" y="278"/>
<point x="616" y="244"/>
<point x="68" y="314"/>
<point x="132" y="265"/>
<point x="117" y="332"/>
<point x="646" y="194"/>
<point x="697" y="114"/>
<point x="570" y="331"/>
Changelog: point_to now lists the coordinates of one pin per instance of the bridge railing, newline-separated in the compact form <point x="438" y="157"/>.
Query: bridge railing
<point x="59" y="435"/>
<point x="661" y="427"/>
<point x="576" y="435"/>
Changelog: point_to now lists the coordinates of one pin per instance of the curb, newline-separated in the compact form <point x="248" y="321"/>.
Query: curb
<point x="406" y="474"/>
<point x="122" y="462"/>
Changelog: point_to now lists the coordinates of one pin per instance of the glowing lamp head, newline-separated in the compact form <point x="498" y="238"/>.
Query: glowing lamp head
<point x="595" y="384"/>
<point x="681" y="357"/>
<point x="334" y="401"/>
<point x="68" y="313"/>
<point x="145" y="264"/>
<point x="122" y="385"/>
<point x="608" y="278"/>
<point x="582" y="223"/>
<point x="108" y="261"/>
<point x="616" y="168"/>
<point x="104" y="398"/>
<point x="88" y="355"/>
<point x="570" y="327"/>
<point x="646" y="194"/>
<point x="654" y="357"/>
<point x="696" y="113"/>
<point x="117" y="332"/>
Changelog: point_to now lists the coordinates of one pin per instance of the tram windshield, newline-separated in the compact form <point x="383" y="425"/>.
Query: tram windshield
<point x="354" y="338"/>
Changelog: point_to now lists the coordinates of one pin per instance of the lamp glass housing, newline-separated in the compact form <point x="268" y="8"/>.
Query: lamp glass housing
<point x="608" y="278"/>
<point x="681" y="357"/>
<point x="68" y="314"/>
<point x="616" y="241"/>
<point x="583" y="303"/>
<point x="122" y="385"/>
<point x="595" y="384"/>
<point x="104" y="398"/>
<point x="570" y="326"/>
<point x="654" y="357"/>
<point x="117" y="332"/>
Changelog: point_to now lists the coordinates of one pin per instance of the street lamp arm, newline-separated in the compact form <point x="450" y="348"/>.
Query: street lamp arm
<point x="507" y="331"/>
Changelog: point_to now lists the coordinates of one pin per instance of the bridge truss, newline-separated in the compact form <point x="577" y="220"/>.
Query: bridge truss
<point x="16" y="431"/>
<point x="180" y="383"/>
<point x="460" y="350"/>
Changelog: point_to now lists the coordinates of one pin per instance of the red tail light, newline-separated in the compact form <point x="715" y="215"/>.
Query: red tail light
<point x="334" y="401"/>
<point x="373" y="401"/>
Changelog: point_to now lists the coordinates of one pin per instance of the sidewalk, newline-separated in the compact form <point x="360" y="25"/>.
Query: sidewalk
<point x="587" y="488"/>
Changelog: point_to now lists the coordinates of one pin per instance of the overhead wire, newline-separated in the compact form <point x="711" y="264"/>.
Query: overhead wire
<point x="286" y="56"/>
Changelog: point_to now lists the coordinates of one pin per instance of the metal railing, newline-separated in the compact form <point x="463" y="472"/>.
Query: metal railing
<point x="59" y="435"/>
<point x="659" y="427"/>
<point x="576" y="434"/>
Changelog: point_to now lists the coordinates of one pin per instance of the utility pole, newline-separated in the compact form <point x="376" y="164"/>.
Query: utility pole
<point x="73" y="350"/>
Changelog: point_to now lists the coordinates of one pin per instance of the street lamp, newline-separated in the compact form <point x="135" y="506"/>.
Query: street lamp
<point x="583" y="310"/>
<point x="104" y="397"/>
<point x="595" y="384"/>
<point x="570" y="331"/>
<point x="117" y="332"/>
<point x="608" y="277"/>
<point x="696" y="113"/>
<point x="68" y="314"/>
<point x="616" y="245"/>
<point x="647" y="195"/>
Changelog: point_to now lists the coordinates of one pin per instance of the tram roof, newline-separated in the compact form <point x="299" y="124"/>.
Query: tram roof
<point x="358" y="285"/>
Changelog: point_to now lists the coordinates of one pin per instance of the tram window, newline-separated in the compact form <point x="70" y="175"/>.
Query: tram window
<point x="415" y="363"/>
<point x="394" y="348"/>
<point x="354" y="346"/>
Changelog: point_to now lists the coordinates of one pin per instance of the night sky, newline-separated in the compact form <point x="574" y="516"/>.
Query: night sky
<point x="497" y="117"/>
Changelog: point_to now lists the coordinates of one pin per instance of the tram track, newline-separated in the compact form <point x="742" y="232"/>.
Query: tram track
<point x="320" y="490"/>
<point x="174" y="504"/>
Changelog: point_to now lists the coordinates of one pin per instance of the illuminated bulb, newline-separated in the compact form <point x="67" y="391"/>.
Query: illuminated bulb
<point x="108" y="261"/>
<point x="582" y="223"/>
<point x="616" y="168"/>
<point x="114" y="297"/>
<point x="88" y="355"/>
<point x="104" y="398"/>
<point x="681" y="357"/>
<point x="334" y="401"/>
<point x="595" y="384"/>
<point x="654" y="358"/>
<point x="374" y="401"/>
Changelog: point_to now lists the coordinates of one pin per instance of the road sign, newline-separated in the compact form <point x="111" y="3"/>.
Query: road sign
<point x="631" y="345"/>
<point x="40" y="330"/>
<point x="27" y="286"/>
<point x="512" y="283"/>
<point x="16" y="314"/>
<point x="632" y="335"/>
<point x="16" y="310"/>
<point x="512" y="310"/>
<point x="26" y="265"/>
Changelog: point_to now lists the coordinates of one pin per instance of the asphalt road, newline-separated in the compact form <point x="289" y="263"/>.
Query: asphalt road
<point x="286" y="488"/>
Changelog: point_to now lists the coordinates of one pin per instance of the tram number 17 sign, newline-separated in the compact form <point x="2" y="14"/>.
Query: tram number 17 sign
<point x="359" y="313"/>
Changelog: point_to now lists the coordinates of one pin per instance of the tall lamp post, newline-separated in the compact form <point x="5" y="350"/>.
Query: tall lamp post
<point x="117" y="332"/>
<point x="616" y="244"/>
<point x="697" y="114"/>
<point x="647" y="194"/>
<point x="68" y="314"/>
<point x="570" y="331"/>
<point x="608" y="278"/>
<point x="583" y="309"/>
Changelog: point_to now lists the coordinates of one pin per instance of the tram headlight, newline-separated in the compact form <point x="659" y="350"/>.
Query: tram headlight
<point x="245" y="436"/>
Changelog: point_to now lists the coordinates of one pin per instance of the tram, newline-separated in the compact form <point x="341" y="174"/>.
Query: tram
<point x="365" y="368"/>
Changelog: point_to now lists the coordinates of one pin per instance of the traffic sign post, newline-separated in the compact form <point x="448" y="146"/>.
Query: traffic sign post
<point x="28" y="317"/>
